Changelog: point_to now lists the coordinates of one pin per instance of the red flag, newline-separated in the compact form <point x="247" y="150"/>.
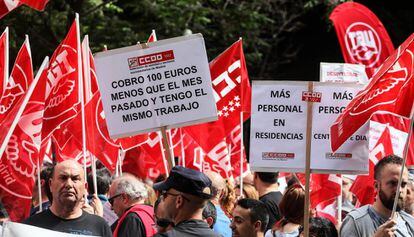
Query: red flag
<point x="363" y="187"/>
<point x="7" y="6"/>
<point x="324" y="189"/>
<point x="362" y="36"/>
<point x="147" y="160"/>
<point x="19" y="81"/>
<point x="19" y="161"/>
<point x="232" y="93"/>
<point x="36" y="4"/>
<point x="63" y="79"/>
<point x="391" y="89"/>
<point x="152" y="37"/>
<point x="4" y="59"/>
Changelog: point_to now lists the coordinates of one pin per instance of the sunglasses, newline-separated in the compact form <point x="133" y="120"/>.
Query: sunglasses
<point x="165" y="194"/>
<point x="112" y="199"/>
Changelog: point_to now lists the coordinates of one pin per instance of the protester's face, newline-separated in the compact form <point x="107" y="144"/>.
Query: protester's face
<point x="409" y="199"/>
<point x="161" y="219"/>
<point x="346" y="186"/>
<point x="387" y="186"/>
<point x="67" y="184"/>
<point x="241" y="225"/>
<point x="170" y="203"/>
<point x="116" y="200"/>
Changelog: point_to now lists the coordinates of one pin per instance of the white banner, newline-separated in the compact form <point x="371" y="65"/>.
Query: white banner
<point x="13" y="229"/>
<point x="167" y="83"/>
<point x="279" y="122"/>
<point x="343" y="72"/>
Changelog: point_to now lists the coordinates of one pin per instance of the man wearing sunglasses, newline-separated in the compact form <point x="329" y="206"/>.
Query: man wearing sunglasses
<point x="127" y="196"/>
<point x="184" y="194"/>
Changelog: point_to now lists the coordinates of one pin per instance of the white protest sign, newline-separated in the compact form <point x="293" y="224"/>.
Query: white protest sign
<point x="278" y="126"/>
<point x="167" y="83"/>
<point x="352" y="157"/>
<point x="343" y="72"/>
<point x="13" y="229"/>
<point x="279" y="122"/>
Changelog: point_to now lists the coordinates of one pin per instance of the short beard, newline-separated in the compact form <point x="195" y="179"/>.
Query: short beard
<point x="389" y="202"/>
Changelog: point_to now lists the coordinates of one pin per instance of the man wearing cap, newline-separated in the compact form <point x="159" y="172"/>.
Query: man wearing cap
<point x="184" y="195"/>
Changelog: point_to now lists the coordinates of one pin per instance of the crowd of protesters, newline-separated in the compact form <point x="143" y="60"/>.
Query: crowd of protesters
<point x="192" y="203"/>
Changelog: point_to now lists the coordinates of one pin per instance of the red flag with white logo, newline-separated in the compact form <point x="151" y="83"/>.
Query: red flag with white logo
<point x="387" y="135"/>
<point x="232" y="92"/>
<point x="19" y="161"/>
<point x="19" y="81"/>
<point x="363" y="186"/>
<point x="63" y="101"/>
<point x="391" y="89"/>
<point x="362" y="37"/>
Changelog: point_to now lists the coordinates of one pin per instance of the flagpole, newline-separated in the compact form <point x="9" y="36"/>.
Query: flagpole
<point x="171" y="145"/>
<point x="6" y="63"/>
<point x="339" y="201"/>
<point x="182" y="148"/>
<point x="406" y="148"/>
<point x="81" y="97"/>
<point x="26" y="98"/>
<point x="39" y="186"/>
<point x="307" y="167"/>
<point x="241" y="152"/>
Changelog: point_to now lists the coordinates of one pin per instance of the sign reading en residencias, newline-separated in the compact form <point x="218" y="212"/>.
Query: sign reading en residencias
<point x="167" y="84"/>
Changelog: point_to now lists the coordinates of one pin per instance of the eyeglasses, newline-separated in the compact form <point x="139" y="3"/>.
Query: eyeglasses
<point x="165" y="194"/>
<point x="112" y="199"/>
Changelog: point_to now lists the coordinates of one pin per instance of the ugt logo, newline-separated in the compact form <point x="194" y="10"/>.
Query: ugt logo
<point x="363" y="44"/>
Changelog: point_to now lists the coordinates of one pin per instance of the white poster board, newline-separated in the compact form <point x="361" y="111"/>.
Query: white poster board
<point x="278" y="138"/>
<point x="352" y="156"/>
<point x="278" y="126"/>
<point x="167" y="83"/>
<point x="343" y="72"/>
<point x="13" y="229"/>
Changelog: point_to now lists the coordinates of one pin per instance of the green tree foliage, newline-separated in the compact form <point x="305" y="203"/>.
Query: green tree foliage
<point x="266" y="26"/>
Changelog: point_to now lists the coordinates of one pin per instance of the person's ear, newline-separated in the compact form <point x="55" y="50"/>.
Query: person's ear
<point x="179" y="201"/>
<point x="209" y="221"/>
<point x="258" y="226"/>
<point x="376" y="185"/>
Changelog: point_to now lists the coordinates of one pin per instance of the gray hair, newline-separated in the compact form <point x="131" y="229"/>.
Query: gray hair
<point x="132" y="187"/>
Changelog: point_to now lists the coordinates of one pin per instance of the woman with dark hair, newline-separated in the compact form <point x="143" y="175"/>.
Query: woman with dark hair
<point x="321" y="227"/>
<point x="291" y="208"/>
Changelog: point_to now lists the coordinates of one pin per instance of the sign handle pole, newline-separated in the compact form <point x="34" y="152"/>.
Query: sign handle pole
<point x="307" y="167"/>
<point x="405" y="154"/>
<point x="167" y="148"/>
<point x="39" y="186"/>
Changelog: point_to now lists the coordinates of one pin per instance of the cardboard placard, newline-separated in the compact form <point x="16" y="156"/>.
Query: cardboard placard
<point x="278" y="128"/>
<point x="343" y="72"/>
<point x="166" y="84"/>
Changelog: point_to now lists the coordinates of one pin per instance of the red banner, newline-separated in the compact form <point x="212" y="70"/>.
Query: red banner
<point x="391" y="89"/>
<point x="362" y="36"/>
<point x="62" y="83"/>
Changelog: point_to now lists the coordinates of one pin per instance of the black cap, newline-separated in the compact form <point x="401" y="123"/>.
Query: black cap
<point x="187" y="181"/>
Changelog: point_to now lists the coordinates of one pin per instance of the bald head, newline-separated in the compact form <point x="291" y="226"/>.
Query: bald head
<point x="67" y="185"/>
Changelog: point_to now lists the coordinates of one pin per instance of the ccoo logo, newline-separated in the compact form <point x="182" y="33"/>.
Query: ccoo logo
<point x="363" y="44"/>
